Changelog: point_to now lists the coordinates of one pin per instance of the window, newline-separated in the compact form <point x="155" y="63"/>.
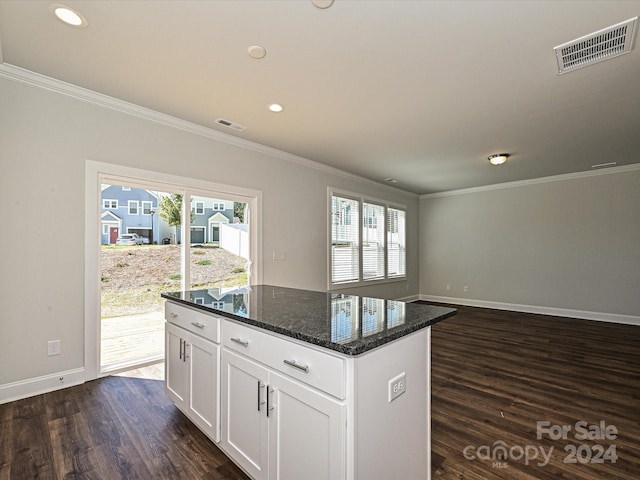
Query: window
<point x="105" y="229"/>
<point x="109" y="203"/>
<point x="396" y="241"/>
<point x="345" y="240"/>
<point x="372" y="241"/>
<point x="198" y="208"/>
<point x="133" y="207"/>
<point x="147" y="208"/>
<point x="218" y="206"/>
<point x="368" y="240"/>
<point x="126" y="189"/>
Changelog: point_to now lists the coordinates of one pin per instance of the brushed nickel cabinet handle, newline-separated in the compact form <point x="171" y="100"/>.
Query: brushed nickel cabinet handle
<point x="292" y="363"/>
<point x="244" y="343"/>
<point x="269" y="407"/>
<point x="260" y="387"/>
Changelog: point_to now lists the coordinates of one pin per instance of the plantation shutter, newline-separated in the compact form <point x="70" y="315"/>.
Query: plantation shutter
<point x="345" y="240"/>
<point x="396" y="242"/>
<point x="372" y="241"/>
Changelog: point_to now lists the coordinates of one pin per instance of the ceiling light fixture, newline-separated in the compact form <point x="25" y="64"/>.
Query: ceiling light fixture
<point x="322" y="3"/>
<point x="68" y="16"/>
<point x="604" y="165"/>
<point x="391" y="180"/>
<point x="498" y="159"/>
<point x="257" y="51"/>
<point x="275" y="107"/>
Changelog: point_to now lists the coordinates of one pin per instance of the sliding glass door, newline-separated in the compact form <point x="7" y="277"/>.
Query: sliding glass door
<point x="158" y="240"/>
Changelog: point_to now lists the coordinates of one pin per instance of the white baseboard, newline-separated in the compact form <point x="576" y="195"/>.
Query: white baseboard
<point x="10" y="392"/>
<point x="559" y="312"/>
<point x="410" y="298"/>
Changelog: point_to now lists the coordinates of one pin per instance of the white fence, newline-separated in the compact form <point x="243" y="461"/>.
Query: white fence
<point x="234" y="237"/>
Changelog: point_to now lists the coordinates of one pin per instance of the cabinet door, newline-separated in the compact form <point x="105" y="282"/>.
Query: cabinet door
<point x="175" y="364"/>
<point x="245" y="427"/>
<point x="307" y="433"/>
<point x="204" y="381"/>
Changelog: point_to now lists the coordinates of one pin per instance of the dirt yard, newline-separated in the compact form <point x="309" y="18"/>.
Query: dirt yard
<point x="134" y="277"/>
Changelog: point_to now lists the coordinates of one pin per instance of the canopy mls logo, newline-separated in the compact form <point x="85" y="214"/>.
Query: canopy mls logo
<point x="500" y="453"/>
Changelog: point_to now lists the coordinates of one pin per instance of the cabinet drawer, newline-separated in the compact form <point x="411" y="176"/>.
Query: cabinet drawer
<point x="321" y="370"/>
<point x="200" y="323"/>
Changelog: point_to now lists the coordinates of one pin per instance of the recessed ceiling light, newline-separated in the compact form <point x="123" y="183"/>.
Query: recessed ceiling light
<point x="257" y="51"/>
<point x="322" y="3"/>
<point x="275" y="107"/>
<point x="68" y="15"/>
<point x="498" y="159"/>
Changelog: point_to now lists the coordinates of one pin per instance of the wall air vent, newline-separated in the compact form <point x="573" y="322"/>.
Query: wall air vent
<point x="596" y="47"/>
<point x="233" y="126"/>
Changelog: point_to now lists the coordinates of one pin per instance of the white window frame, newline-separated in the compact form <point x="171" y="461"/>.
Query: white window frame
<point x="105" y="229"/>
<point x="130" y="203"/>
<point x="362" y="199"/>
<point x="219" y="206"/>
<point x="147" y="202"/>
<point x="195" y="208"/>
<point x="109" y="203"/>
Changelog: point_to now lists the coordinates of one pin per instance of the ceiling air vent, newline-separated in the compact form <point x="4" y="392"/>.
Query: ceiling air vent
<point x="234" y="126"/>
<point x="596" y="47"/>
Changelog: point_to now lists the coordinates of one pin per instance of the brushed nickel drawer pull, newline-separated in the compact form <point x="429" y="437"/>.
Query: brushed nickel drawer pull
<point x="174" y="314"/>
<point x="242" y="342"/>
<point x="292" y="363"/>
<point x="198" y="324"/>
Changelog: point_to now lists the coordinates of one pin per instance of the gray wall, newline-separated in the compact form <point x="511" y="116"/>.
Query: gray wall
<point x="45" y="138"/>
<point x="572" y="243"/>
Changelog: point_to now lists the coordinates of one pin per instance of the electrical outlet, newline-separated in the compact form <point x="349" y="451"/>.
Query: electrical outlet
<point x="53" y="347"/>
<point x="448" y="286"/>
<point x="279" y="256"/>
<point x="466" y="289"/>
<point x="397" y="386"/>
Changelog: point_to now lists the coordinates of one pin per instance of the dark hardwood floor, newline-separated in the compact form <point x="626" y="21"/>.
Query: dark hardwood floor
<point x="112" y="428"/>
<point x="495" y="374"/>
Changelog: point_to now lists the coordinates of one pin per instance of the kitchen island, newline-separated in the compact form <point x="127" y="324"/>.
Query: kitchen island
<point x="293" y="383"/>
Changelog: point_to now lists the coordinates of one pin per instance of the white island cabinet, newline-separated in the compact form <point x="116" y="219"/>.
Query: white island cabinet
<point x="343" y="393"/>
<point x="276" y="426"/>
<point x="192" y="366"/>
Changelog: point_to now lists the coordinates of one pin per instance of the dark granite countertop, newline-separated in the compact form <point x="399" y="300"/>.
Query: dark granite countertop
<point x="349" y="324"/>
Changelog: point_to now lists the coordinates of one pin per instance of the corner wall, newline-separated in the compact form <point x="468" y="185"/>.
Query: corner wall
<point x="566" y="245"/>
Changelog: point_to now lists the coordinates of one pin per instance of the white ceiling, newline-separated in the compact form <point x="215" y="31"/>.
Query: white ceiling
<point x="420" y="91"/>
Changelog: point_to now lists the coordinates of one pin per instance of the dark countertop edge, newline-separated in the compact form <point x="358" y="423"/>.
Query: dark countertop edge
<point x="352" y="350"/>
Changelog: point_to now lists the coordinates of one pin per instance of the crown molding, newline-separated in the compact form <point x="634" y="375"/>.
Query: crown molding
<point x="535" y="181"/>
<point x="29" y="77"/>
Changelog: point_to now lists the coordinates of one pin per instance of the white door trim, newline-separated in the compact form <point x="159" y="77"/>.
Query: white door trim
<point x="97" y="173"/>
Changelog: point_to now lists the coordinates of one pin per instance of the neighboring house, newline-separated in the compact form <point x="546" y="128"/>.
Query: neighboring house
<point x="208" y="215"/>
<point x="129" y="210"/>
<point x="134" y="210"/>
